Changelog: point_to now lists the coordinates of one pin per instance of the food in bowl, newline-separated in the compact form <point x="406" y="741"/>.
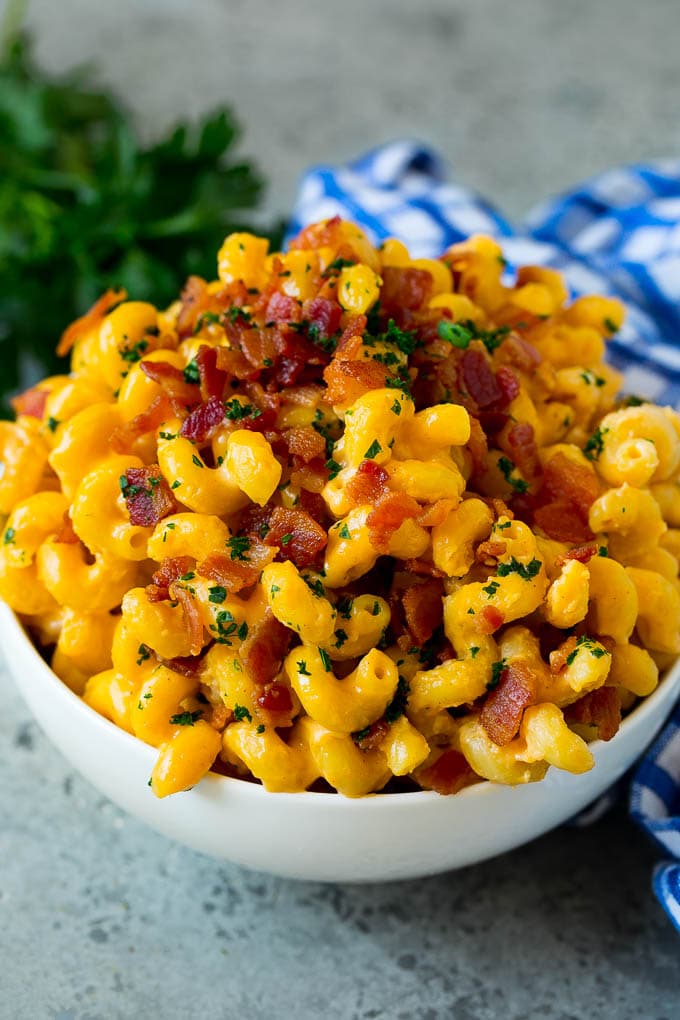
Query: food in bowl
<point x="347" y="519"/>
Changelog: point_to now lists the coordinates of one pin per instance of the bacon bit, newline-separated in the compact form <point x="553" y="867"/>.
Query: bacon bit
<point x="282" y="308"/>
<point x="213" y="379"/>
<point x="558" y="657"/>
<point x="377" y="732"/>
<point x="237" y="574"/>
<point x="259" y="347"/>
<point x="324" y="234"/>
<point x="561" y="521"/>
<point x="349" y="380"/>
<point x="424" y="609"/>
<point x="489" y="619"/>
<point x="565" y="479"/>
<point x="600" y="708"/>
<point x="422" y="568"/>
<point x="263" y="650"/>
<point x="66" y="535"/>
<point x="404" y="288"/>
<point x="478" y="379"/>
<point x="147" y="495"/>
<point x="352" y="339"/>
<point x="276" y="698"/>
<point x="436" y="513"/>
<point x="489" y="551"/>
<point x="449" y="774"/>
<point x="582" y="553"/>
<point x="87" y="322"/>
<point x="31" y="402"/>
<point x="392" y="509"/>
<point x="493" y="421"/>
<point x="367" y="484"/>
<point x="314" y="504"/>
<point x="219" y="716"/>
<point x="192" y="616"/>
<point x="517" y="351"/>
<point x="299" y="537"/>
<point x="203" y="421"/>
<point x="523" y="449"/>
<point x="232" y="361"/>
<point x="304" y="442"/>
<point x="478" y="446"/>
<point x="193" y="297"/>
<point x="173" y="382"/>
<point x="170" y="570"/>
<point x="187" y="665"/>
<point x="323" y="315"/>
<point x="158" y="411"/>
<point x="508" y="384"/>
<point x="504" y="706"/>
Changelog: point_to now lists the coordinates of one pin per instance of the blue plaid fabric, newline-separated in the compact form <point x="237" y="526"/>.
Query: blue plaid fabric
<point x="618" y="234"/>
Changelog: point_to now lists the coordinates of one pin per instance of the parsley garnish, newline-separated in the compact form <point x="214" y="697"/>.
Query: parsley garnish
<point x="326" y="659"/>
<point x="205" y="318"/>
<point x="397" y="705"/>
<point x="176" y="484"/>
<point x="285" y="539"/>
<point x="217" y="594"/>
<point x="473" y="651"/>
<point x="603" y="551"/>
<point x="188" y="576"/>
<point x="235" y="313"/>
<point x="8" y="538"/>
<point x="496" y="673"/>
<point x="260" y="728"/>
<point x="610" y="326"/>
<point x="52" y="423"/>
<point x="241" y="713"/>
<point x="235" y="411"/>
<point x="459" y="334"/>
<point x="374" y="449"/>
<point x="302" y="668"/>
<point x="341" y="636"/>
<point x="404" y="339"/>
<point x="191" y="373"/>
<point x="167" y="435"/>
<point x="238" y="546"/>
<point x="242" y="632"/>
<point x="513" y="566"/>
<point x="337" y="266"/>
<point x="344" y="532"/>
<point x="506" y="467"/>
<point x="186" y="718"/>
<point x="490" y="590"/>
<point x="144" y="653"/>
<point x="134" y="353"/>
<point x="333" y="469"/>
<point x="196" y="460"/>
<point x="396" y="408"/>
<point x="595" y="445"/>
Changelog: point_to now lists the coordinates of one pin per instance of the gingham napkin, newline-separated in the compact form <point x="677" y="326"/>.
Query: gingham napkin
<point x="619" y="234"/>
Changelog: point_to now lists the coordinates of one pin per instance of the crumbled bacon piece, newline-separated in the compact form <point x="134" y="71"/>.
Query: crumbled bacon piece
<point x="349" y="380"/>
<point x="561" y="521"/>
<point x="193" y="620"/>
<point x="173" y="382"/>
<point x="31" y="402"/>
<point x="263" y="650"/>
<point x="298" y="536"/>
<point x="203" y="421"/>
<point x="237" y="572"/>
<point x="523" y="449"/>
<point x="282" y="308"/>
<point x="233" y="361"/>
<point x="423" y="568"/>
<point x="392" y="509"/>
<point x="558" y="657"/>
<point x="566" y="479"/>
<point x="212" y="379"/>
<point x="478" y="379"/>
<point x="305" y="443"/>
<point x="489" y="551"/>
<point x="367" y="484"/>
<point x="170" y="570"/>
<point x="377" y="732"/>
<point x="147" y="495"/>
<point x="148" y="420"/>
<point x="99" y="310"/>
<point x="489" y="619"/>
<point x="504" y="706"/>
<point x="66" y="535"/>
<point x="404" y="289"/>
<point x="449" y="774"/>
<point x="324" y="234"/>
<point x="582" y="553"/>
<point x="323" y="315"/>
<point x="477" y="445"/>
<point x="436" y="513"/>
<point x="508" y="384"/>
<point x="600" y="708"/>
<point x="187" y="665"/>
<point x="424" y="609"/>
<point x="276" y="698"/>
<point x="259" y="347"/>
<point x="517" y="351"/>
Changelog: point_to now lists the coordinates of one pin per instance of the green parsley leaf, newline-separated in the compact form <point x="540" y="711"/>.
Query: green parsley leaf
<point x="238" y="546"/>
<point x="191" y="373"/>
<point x="52" y="423"/>
<point x="217" y="594"/>
<point x="241" y="713"/>
<point x="595" y="445"/>
<point x="374" y="449"/>
<point x="333" y="469"/>
<point x="496" y="673"/>
<point x="186" y="718"/>
<point x="9" y="536"/>
<point x="513" y="566"/>
<point x="326" y="659"/>
<point x="507" y="468"/>
<point x="196" y="460"/>
<point x="397" y="705"/>
<point x="344" y="532"/>
<point x="302" y="668"/>
<point x="144" y="653"/>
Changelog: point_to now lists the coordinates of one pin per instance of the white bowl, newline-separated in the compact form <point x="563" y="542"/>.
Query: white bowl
<point x="322" y="836"/>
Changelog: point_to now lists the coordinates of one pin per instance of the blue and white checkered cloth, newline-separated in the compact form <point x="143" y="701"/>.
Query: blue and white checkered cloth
<point x="617" y="234"/>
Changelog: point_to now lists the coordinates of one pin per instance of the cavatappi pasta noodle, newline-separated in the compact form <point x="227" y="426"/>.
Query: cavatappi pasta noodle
<point x="343" y="518"/>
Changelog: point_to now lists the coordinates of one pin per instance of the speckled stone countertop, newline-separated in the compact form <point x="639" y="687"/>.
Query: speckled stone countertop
<point x="100" y="918"/>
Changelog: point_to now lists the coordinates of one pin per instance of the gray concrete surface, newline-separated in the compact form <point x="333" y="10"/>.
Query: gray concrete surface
<point x="101" y="918"/>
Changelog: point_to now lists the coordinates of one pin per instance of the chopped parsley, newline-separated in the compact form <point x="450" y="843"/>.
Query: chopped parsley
<point x="610" y="325"/>
<point x="286" y="539"/>
<point x="189" y="576"/>
<point x="345" y="533"/>
<point x="326" y="659"/>
<point x="241" y="713"/>
<point x="595" y="445"/>
<point x="397" y="705"/>
<point x="513" y="566"/>
<point x="191" y="373"/>
<point x="459" y="334"/>
<point x="9" y="536"/>
<point x="344" y="607"/>
<point x="506" y="467"/>
<point x="238" y="546"/>
<point x="396" y="408"/>
<point x="242" y="632"/>
<point x="196" y="460"/>
<point x="217" y="594"/>
<point x="235" y="313"/>
<point x="315" y="586"/>
<point x="591" y="379"/>
<point x="144" y="653"/>
<point x="404" y="339"/>
<point x="167" y="435"/>
<point x="260" y="728"/>
<point x="224" y="627"/>
<point x="302" y="668"/>
<point x="603" y="551"/>
<point x="374" y="449"/>
<point x="186" y="718"/>
<point x="235" y="411"/>
<point x="335" y="267"/>
<point x="134" y="353"/>
<point x="341" y="636"/>
<point x="204" y="319"/>
<point x="587" y="643"/>
<point x="496" y="673"/>
<point x="473" y="651"/>
<point x="333" y="469"/>
<point x="52" y="423"/>
<point x="490" y="590"/>
<point x="275" y="588"/>
<point x="176" y="484"/>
